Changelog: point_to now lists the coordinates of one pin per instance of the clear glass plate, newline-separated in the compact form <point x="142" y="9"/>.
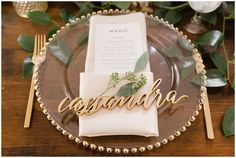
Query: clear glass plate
<point x="56" y="81"/>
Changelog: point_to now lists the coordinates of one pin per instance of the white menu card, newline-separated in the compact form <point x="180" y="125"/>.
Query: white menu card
<point x="116" y="43"/>
<point x="118" y="47"/>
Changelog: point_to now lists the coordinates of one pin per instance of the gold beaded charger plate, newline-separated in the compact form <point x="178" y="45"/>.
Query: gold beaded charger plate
<point x="172" y="57"/>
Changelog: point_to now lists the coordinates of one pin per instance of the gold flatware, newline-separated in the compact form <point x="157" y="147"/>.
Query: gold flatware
<point x="207" y="114"/>
<point x="204" y="101"/>
<point x="39" y="42"/>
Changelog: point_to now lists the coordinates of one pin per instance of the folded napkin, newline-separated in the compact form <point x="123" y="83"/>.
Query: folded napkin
<point x="94" y="81"/>
<point x="118" y="121"/>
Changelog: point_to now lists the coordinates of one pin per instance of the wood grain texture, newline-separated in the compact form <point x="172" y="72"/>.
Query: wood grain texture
<point x="42" y="139"/>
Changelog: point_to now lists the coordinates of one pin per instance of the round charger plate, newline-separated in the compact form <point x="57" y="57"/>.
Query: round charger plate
<point x="170" y="53"/>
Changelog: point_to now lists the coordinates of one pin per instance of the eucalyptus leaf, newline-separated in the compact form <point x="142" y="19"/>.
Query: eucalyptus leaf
<point x="26" y="42"/>
<point x="215" y="78"/>
<point x="61" y="51"/>
<point x="39" y="17"/>
<point x="27" y="67"/>
<point x="210" y="18"/>
<point x="228" y="122"/>
<point x="83" y="38"/>
<point x="52" y="31"/>
<point x="126" y="90"/>
<point x="161" y="4"/>
<point x="230" y="10"/>
<point x="72" y="18"/>
<point x="141" y="63"/>
<point x="187" y="66"/>
<point x="79" y="4"/>
<point x="64" y="14"/>
<point x="173" y="16"/>
<point x="104" y="3"/>
<point x="219" y="61"/>
<point x="153" y="23"/>
<point x="85" y="8"/>
<point x="122" y="5"/>
<point x="159" y="12"/>
<point x="172" y="52"/>
<point x="197" y="79"/>
<point x="185" y="44"/>
<point x="211" y="38"/>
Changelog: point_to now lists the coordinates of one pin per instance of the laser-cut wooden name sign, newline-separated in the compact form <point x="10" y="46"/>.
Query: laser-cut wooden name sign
<point x="92" y="105"/>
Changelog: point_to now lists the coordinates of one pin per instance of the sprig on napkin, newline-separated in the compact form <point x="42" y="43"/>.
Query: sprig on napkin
<point x="135" y="81"/>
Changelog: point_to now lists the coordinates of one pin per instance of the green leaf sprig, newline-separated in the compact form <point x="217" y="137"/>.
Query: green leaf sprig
<point x="27" y="67"/>
<point x="65" y="15"/>
<point x="219" y="61"/>
<point x="187" y="66"/>
<point x="39" y="17"/>
<point x="83" y="38"/>
<point x="172" y="52"/>
<point x="52" y="31"/>
<point x="173" y="16"/>
<point x="88" y="7"/>
<point x="26" y="42"/>
<point x="122" y="5"/>
<point x="210" y="42"/>
<point x="210" y="18"/>
<point x="211" y="38"/>
<point x="61" y="51"/>
<point x="228" y="122"/>
<point x="135" y="81"/>
<point x="141" y="63"/>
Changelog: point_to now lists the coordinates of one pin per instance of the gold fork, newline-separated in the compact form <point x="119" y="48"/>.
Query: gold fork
<point x="39" y="42"/>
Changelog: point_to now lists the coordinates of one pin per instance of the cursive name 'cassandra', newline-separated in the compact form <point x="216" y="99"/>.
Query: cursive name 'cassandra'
<point x="92" y="105"/>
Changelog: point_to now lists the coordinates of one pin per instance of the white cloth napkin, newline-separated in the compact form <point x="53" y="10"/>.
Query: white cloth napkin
<point x="118" y="121"/>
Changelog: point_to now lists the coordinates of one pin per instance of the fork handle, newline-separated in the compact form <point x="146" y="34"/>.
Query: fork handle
<point x="29" y="105"/>
<point x="207" y="114"/>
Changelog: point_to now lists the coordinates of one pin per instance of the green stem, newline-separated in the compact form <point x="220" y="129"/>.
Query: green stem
<point x="101" y="8"/>
<point x="109" y="87"/>
<point x="108" y="5"/>
<point x="54" y="22"/>
<point x="105" y="90"/>
<point x="225" y="52"/>
<point x="77" y="14"/>
<point x="97" y="7"/>
<point x="175" y="7"/>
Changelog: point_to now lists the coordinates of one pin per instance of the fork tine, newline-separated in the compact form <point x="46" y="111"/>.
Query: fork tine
<point x="39" y="47"/>
<point x="35" y="45"/>
<point x="44" y="39"/>
<point x="41" y="44"/>
<point x="38" y="44"/>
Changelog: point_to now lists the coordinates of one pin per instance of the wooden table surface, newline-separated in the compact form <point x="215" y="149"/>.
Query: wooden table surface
<point x="43" y="139"/>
